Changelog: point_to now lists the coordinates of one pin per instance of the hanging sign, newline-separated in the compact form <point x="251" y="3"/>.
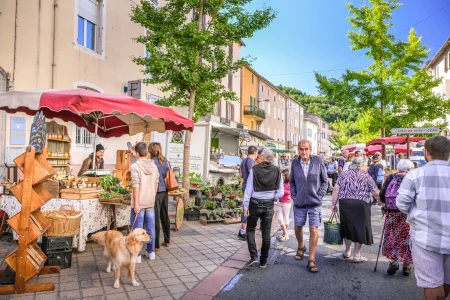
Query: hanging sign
<point x="415" y="130"/>
<point x="38" y="132"/>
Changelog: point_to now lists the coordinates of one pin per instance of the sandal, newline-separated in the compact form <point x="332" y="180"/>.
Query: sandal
<point x="345" y="255"/>
<point x="300" y="253"/>
<point x="359" y="259"/>
<point x="312" y="266"/>
<point x="406" y="271"/>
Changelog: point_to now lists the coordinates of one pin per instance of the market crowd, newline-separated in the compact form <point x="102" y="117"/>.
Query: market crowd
<point x="414" y="200"/>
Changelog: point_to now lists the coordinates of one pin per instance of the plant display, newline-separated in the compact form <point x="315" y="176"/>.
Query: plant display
<point x="240" y="193"/>
<point x="226" y="189"/>
<point x="238" y="211"/>
<point x="107" y="195"/>
<point x="190" y="205"/>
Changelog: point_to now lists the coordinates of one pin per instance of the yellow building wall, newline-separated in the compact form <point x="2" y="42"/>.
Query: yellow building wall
<point x="248" y="89"/>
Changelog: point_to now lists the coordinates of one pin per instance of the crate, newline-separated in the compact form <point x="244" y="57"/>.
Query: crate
<point x="53" y="187"/>
<point x="52" y="245"/>
<point x="63" y="260"/>
<point x="192" y="215"/>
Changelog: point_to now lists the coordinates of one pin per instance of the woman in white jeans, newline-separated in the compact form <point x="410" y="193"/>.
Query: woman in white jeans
<point x="285" y="204"/>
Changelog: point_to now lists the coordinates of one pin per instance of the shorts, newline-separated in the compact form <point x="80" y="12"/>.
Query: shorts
<point x="432" y="269"/>
<point x="314" y="215"/>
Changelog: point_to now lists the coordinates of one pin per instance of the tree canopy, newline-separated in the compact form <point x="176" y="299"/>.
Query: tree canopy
<point x="394" y="88"/>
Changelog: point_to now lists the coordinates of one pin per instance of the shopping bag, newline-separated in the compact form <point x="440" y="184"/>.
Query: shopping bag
<point x="333" y="232"/>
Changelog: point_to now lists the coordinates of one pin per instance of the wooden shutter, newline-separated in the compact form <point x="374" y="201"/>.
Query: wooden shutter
<point x="220" y="108"/>
<point x="232" y="112"/>
<point x="226" y="112"/>
<point x="446" y="62"/>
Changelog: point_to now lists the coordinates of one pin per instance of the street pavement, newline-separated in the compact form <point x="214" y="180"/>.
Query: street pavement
<point x="338" y="278"/>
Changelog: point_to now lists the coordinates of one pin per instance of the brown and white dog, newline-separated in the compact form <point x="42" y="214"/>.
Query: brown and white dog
<point x="121" y="251"/>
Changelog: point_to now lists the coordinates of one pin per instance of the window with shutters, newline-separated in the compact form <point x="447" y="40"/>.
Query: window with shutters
<point x="251" y="125"/>
<point x="253" y="79"/>
<point x="90" y="33"/>
<point x="230" y="111"/>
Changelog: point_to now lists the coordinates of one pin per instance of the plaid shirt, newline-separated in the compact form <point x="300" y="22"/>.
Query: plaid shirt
<point x="425" y="196"/>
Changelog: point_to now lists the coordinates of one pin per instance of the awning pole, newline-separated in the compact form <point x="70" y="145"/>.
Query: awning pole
<point x="407" y="146"/>
<point x="95" y="137"/>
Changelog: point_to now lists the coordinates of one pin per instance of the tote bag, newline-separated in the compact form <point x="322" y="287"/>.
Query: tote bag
<point x="170" y="181"/>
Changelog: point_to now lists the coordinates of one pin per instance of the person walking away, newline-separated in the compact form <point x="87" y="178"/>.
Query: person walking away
<point x="396" y="233"/>
<point x="285" y="204"/>
<point x="424" y="197"/>
<point x="246" y="166"/>
<point x="348" y="161"/>
<point x="308" y="186"/>
<point x="332" y="172"/>
<point x="284" y="163"/>
<point x="162" y="197"/>
<point x="353" y="190"/>
<point x="376" y="171"/>
<point x="264" y="186"/>
<point x="144" y="179"/>
<point x="341" y="161"/>
<point x="358" y="153"/>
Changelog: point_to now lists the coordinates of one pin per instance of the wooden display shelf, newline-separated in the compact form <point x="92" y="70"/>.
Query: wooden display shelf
<point x="34" y="262"/>
<point x="80" y="194"/>
<point x="59" y="140"/>
<point x="204" y="221"/>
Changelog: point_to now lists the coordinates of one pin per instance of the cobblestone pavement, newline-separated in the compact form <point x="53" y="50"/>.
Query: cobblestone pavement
<point x="194" y="253"/>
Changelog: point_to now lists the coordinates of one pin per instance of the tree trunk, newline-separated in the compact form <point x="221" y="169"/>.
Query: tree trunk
<point x="187" y="148"/>
<point x="383" y="132"/>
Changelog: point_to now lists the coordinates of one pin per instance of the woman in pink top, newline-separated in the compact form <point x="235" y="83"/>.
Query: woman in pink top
<point x="285" y="204"/>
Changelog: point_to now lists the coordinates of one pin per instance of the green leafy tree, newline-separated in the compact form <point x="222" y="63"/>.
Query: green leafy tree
<point x="400" y="98"/>
<point x="187" y="42"/>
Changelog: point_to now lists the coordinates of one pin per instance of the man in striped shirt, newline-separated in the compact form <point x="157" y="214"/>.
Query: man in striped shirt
<point x="425" y="196"/>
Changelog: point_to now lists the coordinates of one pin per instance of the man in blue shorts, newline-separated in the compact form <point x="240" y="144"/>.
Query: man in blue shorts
<point x="309" y="183"/>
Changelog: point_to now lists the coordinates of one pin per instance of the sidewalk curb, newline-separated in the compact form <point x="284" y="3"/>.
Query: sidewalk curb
<point x="209" y="287"/>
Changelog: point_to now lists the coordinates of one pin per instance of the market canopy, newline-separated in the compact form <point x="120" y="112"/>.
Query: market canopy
<point x="394" y="140"/>
<point x="352" y="147"/>
<point x="115" y="115"/>
<point x="377" y="148"/>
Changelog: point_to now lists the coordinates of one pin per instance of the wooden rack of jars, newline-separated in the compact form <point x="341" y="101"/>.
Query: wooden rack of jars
<point x="58" y="148"/>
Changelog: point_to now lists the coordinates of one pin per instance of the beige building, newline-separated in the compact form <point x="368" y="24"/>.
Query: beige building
<point x="439" y="67"/>
<point x="66" y="44"/>
<point x="294" y="124"/>
<point x="311" y="132"/>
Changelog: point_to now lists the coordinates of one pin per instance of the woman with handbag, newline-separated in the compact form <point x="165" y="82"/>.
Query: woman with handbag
<point x="396" y="232"/>
<point x="353" y="190"/>
<point x="162" y="196"/>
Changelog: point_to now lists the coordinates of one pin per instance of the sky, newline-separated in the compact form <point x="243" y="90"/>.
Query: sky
<point x="311" y="35"/>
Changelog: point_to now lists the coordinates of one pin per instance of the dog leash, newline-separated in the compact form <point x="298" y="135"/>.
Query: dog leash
<point x="135" y="218"/>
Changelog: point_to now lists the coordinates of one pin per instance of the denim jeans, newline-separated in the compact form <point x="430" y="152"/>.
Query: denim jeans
<point x="259" y="209"/>
<point x="145" y="219"/>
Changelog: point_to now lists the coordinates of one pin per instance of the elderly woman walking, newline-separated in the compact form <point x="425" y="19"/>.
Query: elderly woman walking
<point x="396" y="234"/>
<point x="353" y="190"/>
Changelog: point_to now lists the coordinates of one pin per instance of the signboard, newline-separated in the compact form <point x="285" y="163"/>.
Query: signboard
<point x="175" y="151"/>
<point x="415" y="130"/>
<point x="38" y="132"/>
<point x="17" y="131"/>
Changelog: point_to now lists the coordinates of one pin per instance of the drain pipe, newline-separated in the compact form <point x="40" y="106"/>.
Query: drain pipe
<point x="15" y="45"/>
<point x="55" y="5"/>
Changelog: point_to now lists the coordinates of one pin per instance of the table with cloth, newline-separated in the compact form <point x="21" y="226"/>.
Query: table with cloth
<point x="95" y="215"/>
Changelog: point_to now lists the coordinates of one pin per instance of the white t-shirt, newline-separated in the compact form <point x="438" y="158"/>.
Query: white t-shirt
<point x="383" y="162"/>
<point x="346" y="165"/>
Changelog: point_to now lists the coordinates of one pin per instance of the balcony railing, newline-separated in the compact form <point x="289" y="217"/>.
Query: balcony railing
<point x="252" y="110"/>
<point x="225" y="121"/>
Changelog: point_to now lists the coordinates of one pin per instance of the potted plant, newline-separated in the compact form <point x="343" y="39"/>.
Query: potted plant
<point x="226" y="190"/>
<point x="191" y="212"/>
<point x="238" y="211"/>
<point x="210" y="206"/>
<point x="232" y="205"/>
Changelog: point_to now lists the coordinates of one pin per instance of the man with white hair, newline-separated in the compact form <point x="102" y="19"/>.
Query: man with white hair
<point x="424" y="196"/>
<point x="309" y="183"/>
<point x="341" y="161"/>
<point x="264" y="187"/>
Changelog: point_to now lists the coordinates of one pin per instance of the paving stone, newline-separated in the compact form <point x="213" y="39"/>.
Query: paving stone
<point x="201" y="276"/>
<point x="205" y="262"/>
<point x="157" y="292"/>
<point x="188" y="278"/>
<point x="75" y="294"/>
<point x="69" y="286"/>
<point x="152" y="283"/>
<point x="46" y="296"/>
<point x="170" y="281"/>
<point x="160" y="268"/>
<point x="117" y="296"/>
<point x="96" y="291"/>
<point x="191" y="264"/>
<point x="109" y="289"/>
<point x="149" y="276"/>
<point x="197" y="270"/>
<point x="177" y="288"/>
<point x="140" y="294"/>
<point x="163" y="298"/>
<point x="176" y="266"/>
<point x="182" y="272"/>
<point x="190" y="285"/>
<point x="165" y="274"/>
<point x="210" y="268"/>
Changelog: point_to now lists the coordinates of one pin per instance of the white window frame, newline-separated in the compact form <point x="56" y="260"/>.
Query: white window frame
<point x="102" y="25"/>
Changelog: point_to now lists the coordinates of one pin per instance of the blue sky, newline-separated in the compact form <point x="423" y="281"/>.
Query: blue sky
<point x="311" y="35"/>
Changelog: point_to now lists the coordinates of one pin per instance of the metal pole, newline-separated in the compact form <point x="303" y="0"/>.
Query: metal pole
<point x="95" y="137"/>
<point x="408" y="146"/>
<point x="381" y="239"/>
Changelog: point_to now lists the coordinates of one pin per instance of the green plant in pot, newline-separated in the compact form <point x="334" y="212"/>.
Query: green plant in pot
<point x="240" y="193"/>
<point x="210" y="206"/>
<point x="238" y="211"/>
<point x="190" y="205"/>
<point x="231" y="204"/>
<point x="226" y="190"/>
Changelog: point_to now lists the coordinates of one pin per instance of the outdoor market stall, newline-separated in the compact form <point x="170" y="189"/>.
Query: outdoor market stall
<point x="106" y="116"/>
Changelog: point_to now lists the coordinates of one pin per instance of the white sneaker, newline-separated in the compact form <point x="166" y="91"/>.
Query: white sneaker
<point x="151" y="255"/>
<point x="138" y="259"/>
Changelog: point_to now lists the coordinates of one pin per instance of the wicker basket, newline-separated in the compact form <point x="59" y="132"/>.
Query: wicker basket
<point x="63" y="222"/>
